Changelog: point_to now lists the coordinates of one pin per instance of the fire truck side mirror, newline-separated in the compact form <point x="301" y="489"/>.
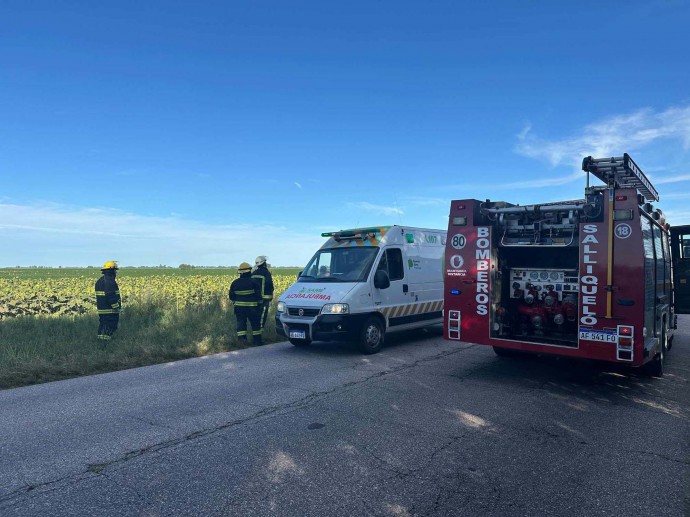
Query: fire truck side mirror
<point x="381" y="280"/>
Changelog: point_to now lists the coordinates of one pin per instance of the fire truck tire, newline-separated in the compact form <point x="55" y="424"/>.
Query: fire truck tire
<point x="300" y="342"/>
<point x="371" y="336"/>
<point x="506" y="352"/>
<point x="656" y="365"/>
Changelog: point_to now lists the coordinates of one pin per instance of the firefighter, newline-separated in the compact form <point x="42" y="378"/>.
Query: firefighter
<point x="265" y="279"/>
<point x="245" y="293"/>
<point x="108" y="301"/>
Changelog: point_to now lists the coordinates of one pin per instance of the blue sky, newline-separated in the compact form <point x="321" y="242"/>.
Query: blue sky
<point x="211" y="132"/>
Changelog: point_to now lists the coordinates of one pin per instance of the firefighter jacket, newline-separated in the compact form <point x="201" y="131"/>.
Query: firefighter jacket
<point x="108" y="295"/>
<point x="245" y="291"/>
<point x="265" y="279"/>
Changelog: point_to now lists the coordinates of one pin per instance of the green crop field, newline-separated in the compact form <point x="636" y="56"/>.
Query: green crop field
<point x="48" y="319"/>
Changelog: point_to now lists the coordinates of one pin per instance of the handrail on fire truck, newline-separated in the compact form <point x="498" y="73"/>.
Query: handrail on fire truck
<point x="620" y="172"/>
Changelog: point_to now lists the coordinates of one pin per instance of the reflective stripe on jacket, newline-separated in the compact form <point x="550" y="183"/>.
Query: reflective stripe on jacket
<point x="245" y="291"/>
<point x="108" y="295"/>
<point x="265" y="279"/>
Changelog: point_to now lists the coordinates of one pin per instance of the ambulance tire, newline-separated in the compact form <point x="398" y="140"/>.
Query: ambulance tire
<point x="371" y="336"/>
<point x="300" y="342"/>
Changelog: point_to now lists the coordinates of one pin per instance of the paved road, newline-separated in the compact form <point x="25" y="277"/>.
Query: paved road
<point x="424" y="428"/>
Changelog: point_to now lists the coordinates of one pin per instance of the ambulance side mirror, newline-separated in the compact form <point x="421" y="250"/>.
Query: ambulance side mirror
<point x="381" y="280"/>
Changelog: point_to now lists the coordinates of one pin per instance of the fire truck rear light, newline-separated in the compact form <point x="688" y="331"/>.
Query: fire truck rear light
<point x="460" y="221"/>
<point x="453" y="315"/>
<point x="454" y="324"/>
<point x="461" y="207"/>
<point x="625" y="331"/>
<point x="623" y="214"/>
<point x="625" y="341"/>
<point x="621" y="198"/>
<point x="455" y="291"/>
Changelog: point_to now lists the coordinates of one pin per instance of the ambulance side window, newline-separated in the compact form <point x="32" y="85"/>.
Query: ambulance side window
<point x="396" y="271"/>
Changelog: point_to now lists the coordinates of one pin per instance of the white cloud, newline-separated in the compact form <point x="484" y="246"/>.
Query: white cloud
<point x="298" y="185"/>
<point x="377" y="209"/>
<point x="50" y="234"/>
<point x="671" y="179"/>
<point x="607" y="137"/>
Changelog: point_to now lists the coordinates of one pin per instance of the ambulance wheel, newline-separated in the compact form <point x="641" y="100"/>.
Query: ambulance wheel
<point x="299" y="342"/>
<point x="371" y="337"/>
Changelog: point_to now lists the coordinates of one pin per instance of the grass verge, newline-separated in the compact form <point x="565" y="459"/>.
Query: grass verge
<point x="36" y="349"/>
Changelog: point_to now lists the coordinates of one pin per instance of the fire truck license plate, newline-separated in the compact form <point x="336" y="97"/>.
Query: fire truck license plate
<point x="598" y="335"/>
<point x="298" y="334"/>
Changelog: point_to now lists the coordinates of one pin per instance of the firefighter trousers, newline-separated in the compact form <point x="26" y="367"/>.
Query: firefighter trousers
<point x="263" y="312"/>
<point x="107" y="325"/>
<point x="251" y="315"/>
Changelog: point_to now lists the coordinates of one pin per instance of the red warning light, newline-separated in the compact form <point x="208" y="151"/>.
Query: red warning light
<point x="625" y="331"/>
<point x="621" y="198"/>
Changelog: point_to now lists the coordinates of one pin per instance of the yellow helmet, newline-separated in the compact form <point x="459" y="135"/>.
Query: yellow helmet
<point x="111" y="264"/>
<point x="244" y="268"/>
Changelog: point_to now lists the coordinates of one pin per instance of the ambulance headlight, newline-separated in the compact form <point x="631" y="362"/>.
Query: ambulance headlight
<point x="335" y="308"/>
<point x="281" y="307"/>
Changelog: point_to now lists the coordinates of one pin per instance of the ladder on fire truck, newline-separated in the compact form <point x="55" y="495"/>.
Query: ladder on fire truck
<point x="620" y="172"/>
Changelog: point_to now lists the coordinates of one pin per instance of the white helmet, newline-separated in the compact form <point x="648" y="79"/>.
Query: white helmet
<point x="260" y="260"/>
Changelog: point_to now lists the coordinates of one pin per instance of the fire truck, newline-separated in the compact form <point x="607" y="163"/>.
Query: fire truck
<point x="600" y="278"/>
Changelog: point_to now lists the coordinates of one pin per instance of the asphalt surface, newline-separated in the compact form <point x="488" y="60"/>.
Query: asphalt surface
<point x="427" y="427"/>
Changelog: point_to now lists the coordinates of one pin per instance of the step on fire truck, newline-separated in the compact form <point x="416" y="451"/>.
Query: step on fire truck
<point x="600" y="278"/>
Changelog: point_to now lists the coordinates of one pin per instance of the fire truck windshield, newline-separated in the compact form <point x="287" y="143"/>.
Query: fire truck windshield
<point x="340" y="265"/>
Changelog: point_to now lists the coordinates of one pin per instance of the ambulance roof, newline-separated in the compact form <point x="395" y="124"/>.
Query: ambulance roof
<point x="373" y="236"/>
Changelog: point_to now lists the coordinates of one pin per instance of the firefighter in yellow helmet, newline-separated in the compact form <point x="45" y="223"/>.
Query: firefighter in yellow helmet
<point x="245" y="294"/>
<point x="108" y="301"/>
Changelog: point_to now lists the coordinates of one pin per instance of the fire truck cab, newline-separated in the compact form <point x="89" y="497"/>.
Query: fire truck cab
<point x="591" y="278"/>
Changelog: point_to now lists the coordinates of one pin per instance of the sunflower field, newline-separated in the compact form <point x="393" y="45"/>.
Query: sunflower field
<point x="37" y="292"/>
<point x="48" y="320"/>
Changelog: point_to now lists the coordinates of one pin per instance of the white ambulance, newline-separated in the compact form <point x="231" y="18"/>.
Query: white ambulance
<point x="363" y="283"/>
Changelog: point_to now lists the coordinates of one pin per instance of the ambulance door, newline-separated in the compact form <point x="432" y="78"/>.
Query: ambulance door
<point x="680" y="252"/>
<point x="392" y="301"/>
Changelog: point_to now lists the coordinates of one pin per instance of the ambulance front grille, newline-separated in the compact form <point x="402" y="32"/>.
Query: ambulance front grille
<point x="305" y="312"/>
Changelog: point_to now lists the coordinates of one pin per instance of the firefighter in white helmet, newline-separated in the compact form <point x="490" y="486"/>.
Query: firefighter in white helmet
<point x="265" y="279"/>
<point x="108" y="301"/>
<point x="245" y="294"/>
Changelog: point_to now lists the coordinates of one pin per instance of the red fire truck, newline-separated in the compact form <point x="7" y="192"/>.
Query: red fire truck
<point x="600" y="278"/>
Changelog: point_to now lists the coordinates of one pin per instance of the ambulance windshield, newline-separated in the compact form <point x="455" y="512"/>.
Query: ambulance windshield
<point x="340" y="265"/>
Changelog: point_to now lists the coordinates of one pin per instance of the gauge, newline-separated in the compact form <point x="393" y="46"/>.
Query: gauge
<point x="534" y="275"/>
<point x="544" y="275"/>
<point x="554" y="275"/>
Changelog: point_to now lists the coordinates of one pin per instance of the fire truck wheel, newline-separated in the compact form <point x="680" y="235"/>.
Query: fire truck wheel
<point x="656" y="365"/>
<point x="506" y="352"/>
<point x="300" y="342"/>
<point x="371" y="337"/>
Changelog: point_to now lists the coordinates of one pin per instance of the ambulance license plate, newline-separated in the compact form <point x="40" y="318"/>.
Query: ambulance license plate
<point x="598" y="335"/>
<point x="298" y="334"/>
